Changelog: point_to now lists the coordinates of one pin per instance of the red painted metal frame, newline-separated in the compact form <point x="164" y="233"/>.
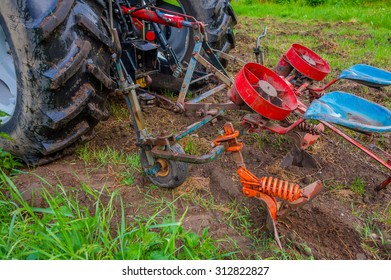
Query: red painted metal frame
<point x="357" y="144"/>
<point x="170" y="19"/>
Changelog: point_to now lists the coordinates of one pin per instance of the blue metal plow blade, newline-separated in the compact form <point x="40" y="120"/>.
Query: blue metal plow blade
<point x="350" y="111"/>
<point x="367" y="75"/>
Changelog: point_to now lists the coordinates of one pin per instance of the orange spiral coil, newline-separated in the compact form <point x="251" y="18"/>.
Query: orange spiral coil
<point x="280" y="188"/>
<point x="309" y="128"/>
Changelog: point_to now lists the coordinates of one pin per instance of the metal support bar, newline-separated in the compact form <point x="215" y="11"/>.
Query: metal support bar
<point x="273" y="127"/>
<point x="325" y="87"/>
<point x="384" y="184"/>
<point x="209" y="157"/>
<point x="357" y="144"/>
<point x="201" y="78"/>
<point x="190" y="129"/>
<point x="220" y="75"/>
<point x="229" y="57"/>
<point x="189" y="74"/>
<point x="207" y="94"/>
<point x="210" y="106"/>
<point x="215" y="61"/>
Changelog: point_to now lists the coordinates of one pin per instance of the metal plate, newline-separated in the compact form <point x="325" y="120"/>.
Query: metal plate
<point x="350" y="111"/>
<point x="367" y="75"/>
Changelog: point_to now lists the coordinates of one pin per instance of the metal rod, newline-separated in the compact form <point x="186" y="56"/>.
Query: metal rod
<point x="133" y="116"/>
<point x="209" y="157"/>
<point x="111" y="16"/>
<point x="357" y="144"/>
<point x="280" y="129"/>
<point x="384" y="184"/>
<point x="190" y="129"/>
<point x="201" y="78"/>
<point x="223" y="77"/>
<point x="210" y="106"/>
<point x="229" y="57"/>
<point x="213" y="58"/>
<point x="326" y="86"/>
<point x="189" y="74"/>
<point x="207" y="94"/>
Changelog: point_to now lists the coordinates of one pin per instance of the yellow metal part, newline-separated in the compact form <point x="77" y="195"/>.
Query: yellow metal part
<point x="142" y="82"/>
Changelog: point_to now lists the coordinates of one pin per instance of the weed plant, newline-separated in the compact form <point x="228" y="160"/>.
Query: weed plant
<point x="65" y="229"/>
<point x="358" y="186"/>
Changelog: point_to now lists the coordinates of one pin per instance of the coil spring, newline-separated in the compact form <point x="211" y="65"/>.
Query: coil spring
<point x="280" y="188"/>
<point x="309" y="128"/>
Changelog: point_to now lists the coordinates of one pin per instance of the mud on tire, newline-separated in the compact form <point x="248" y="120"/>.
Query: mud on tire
<point x="61" y="51"/>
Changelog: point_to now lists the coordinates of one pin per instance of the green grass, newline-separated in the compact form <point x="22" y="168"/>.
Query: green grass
<point x="67" y="229"/>
<point x="108" y="155"/>
<point x="342" y="34"/>
<point x="128" y="164"/>
<point x="358" y="186"/>
<point x="7" y="161"/>
<point x="374" y="238"/>
<point x="256" y="140"/>
<point x="332" y="184"/>
<point x="118" y="111"/>
<point x="191" y="147"/>
<point x="374" y="14"/>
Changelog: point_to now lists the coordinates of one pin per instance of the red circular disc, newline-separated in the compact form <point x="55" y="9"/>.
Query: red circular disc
<point x="264" y="91"/>
<point x="307" y="62"/>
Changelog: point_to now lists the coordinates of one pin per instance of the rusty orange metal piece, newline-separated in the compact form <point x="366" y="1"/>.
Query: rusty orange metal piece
<point x="280" y="188"/>
<point x="250" y="189"/>
<point x="266" y="189"/>
<point x="229" y="137"/>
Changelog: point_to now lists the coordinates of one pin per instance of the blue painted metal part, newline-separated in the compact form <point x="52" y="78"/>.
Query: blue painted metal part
<point x="209" y="157"/>
<point x="192" y="128"/>
<point x="153" y="170"/>
<point x="367" y="75"/>
<point x="189" y="72"/>
<point x="201" y="97"/>
<point x="351" y="111"/>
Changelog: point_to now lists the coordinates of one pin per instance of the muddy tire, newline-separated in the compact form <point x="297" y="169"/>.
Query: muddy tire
<point x="172" y="173"/>
<point x="219" y="18"/>
<point x="61" y="54"/>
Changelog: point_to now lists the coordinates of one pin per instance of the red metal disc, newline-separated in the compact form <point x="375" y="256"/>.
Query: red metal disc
<point x="264" y="91"/>
<point x="307" y="62"/>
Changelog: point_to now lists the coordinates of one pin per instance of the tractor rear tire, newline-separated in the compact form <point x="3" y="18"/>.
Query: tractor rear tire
<point x="61" y="51"/>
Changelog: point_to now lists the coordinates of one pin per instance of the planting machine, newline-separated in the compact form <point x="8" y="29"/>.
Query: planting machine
<point x="135" y="34"/>
<point x="271" y="97"/>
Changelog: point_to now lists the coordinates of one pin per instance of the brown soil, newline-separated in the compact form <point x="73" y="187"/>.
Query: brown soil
<point x="328" y="228"/>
